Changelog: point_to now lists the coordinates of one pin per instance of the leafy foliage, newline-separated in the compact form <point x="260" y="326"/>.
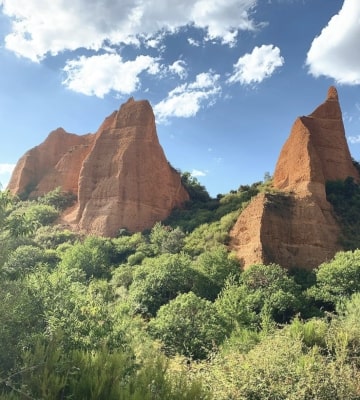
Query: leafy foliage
<point x="25" y="258"/>
<point x="337" y="279"/>
<point x="20" y="321"/>
<point x="159" y="280"/>
<point x="215" y="266"/>
<point x="165" y="239"/>
<point x="345" y="198"/>
<point x="93" y="257"/>
<point x="203" y="210"/>
<point x="197" y="192"/>
<point x="58" y="199"/>
<point x="167" y="313"/>
<point x="188" y="325"/>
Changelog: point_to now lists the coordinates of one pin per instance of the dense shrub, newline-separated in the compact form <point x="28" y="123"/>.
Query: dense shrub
<point x="188" y="325"/>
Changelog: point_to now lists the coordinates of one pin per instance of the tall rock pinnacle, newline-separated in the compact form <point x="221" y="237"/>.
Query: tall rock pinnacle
<point x="120" y="174"/>
<point x="316" y="151"/>
<point x="296" y="227"/>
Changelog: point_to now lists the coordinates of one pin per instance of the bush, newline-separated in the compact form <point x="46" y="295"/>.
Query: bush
<point x="58" y="199"/>
<point x="50" y="373"/>
<point x="188" y="325"/>
<point x="25" y="258"/>
<point x="158" y="280"/>
<point x="93" y="256"/>
<point x="214" y="267"/>
<point x="337" y="279"/>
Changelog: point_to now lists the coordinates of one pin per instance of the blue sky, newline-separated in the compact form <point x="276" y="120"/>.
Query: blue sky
<point x="226" y="79"/>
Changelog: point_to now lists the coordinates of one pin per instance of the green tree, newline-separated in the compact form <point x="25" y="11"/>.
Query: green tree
<point x="188" y="325"/>
<point x="124" y="246"/>
<point x="21" y="319"/>
<point x="93" y="256"/>
<point x="280" y="367"/>
<point x="75" y="309"/>
<point x="233" y="306"/>
<point x="18" y="225"/>
<point x="197" y="192"/>
<point x="165" y="239"/>
<point x="271" y="286"/>
<point x="158" y="280"/>
<point x="58" y="198"/>
<point x="6" y="202"/>
<point x="50" y="237"/>
<point x="25" y="258"/>
<point x="337" y="279"/>
<point x="214" y="267"/>
<point x="42" y="214"/>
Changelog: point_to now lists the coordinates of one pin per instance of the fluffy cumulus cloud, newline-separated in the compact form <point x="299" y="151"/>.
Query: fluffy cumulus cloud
<point x="179" y="68"/>
<point x="40" y="27"/>
<point x="98" y="75"/>
<point x="187" y="99"/>
<point x="197" y="173"/>
<point x="6" y="168"/>
<point x="254" y="67"/>
<point x="335" y="53"/>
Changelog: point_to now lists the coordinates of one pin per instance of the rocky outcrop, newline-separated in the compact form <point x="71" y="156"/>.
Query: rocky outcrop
<point x="315" y="152"/>
<point x="296" y="227"/>
<point x="120" y="174"/>
<point x="54" y="163"/>
<point x="285" y="229"/>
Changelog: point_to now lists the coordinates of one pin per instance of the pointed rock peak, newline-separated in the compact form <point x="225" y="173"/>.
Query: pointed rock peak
<point x="316" y="151"/>
<point x="120" y="175"/>
<point x="135" y="113"/>
<point x="332" y="94"/>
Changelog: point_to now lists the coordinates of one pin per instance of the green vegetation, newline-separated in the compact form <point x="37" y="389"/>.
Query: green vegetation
<point x="168" y="314"/>
<point x="345" y="198"/>
<point x="201" y="209"/>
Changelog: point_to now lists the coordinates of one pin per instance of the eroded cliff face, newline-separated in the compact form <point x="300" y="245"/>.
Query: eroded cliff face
<point x="56" y="162"/>
<point x="120" y="174"/>
<point x="126" y="181"/>
<point x="297" y="227"/>
<point x="285" y="229"/>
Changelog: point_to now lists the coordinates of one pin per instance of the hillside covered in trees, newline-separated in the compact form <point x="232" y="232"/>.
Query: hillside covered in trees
<point x="168" y="313"/>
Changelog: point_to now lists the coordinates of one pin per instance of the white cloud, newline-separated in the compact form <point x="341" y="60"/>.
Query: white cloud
<point x="179" y="68"/>
<point x="193" y="42"/>
<point x="186" y="100"/>
<point x="6" y="168"/>
<point x="196" y="173"/>
<point x="223" y="19"/>
<point x="254" y="67"/>
<point x="5" y="173"/>
<point x="335" y="53"/>
<point x="98" y="75"/>
<point x="354" y="139"/>
<point x="40" y="27"/>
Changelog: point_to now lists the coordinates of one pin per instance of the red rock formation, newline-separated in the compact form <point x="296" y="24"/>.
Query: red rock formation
<point x="56" y="162"/>
<point x="316" y="151"/>
<point x="297" y="227"/>
<point x="285" y="229"/>
<point x="126" y="181"/>
<point x="120" y="174"/>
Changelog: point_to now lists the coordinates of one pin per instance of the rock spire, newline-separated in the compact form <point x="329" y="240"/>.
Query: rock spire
<point x="120" y="174"/>
<point x="296" y="227"/>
